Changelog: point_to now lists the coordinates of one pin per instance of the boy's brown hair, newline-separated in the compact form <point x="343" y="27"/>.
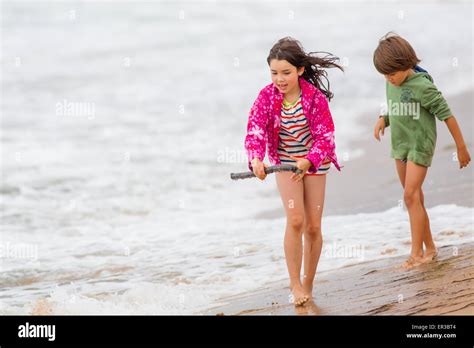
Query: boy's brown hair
<point x="394" y="53"/>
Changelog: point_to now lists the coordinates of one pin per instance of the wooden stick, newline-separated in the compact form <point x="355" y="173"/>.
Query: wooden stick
<point x="268" y="170"/>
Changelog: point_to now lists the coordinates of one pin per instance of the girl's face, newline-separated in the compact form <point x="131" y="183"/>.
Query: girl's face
<point x="285" y="75"/>
<point x="398" y="77"/>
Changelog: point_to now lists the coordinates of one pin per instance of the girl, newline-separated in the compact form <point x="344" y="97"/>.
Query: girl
<point x="414" y="104"/>
<point x="291" y="117"/>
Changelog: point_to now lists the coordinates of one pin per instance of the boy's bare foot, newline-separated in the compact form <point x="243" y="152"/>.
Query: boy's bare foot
<point x="412" y="262"/>
<point x="299" y="297"/>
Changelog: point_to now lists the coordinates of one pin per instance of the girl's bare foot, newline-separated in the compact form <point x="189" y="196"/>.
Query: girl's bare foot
<point x="412" y="262"/>
<point x="308" y="290"/>
<point x="299" y="297"/>
<point x="312" y="308"/>
<point x="430" y="255"/>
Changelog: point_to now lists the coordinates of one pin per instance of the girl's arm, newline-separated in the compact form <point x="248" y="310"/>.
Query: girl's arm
<point x="463" y="155"/>
<point x="323" y="133"/>
<point x="255" y="140"/>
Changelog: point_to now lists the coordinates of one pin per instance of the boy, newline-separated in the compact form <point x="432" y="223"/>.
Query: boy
<point x="413" y="103"/>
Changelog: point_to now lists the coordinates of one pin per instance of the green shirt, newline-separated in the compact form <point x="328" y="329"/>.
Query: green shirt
<point x="411" y="111"/>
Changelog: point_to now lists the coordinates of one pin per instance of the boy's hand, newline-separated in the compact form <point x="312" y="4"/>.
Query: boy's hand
<point x="379" y="127"/>
<point x="302" y="164"/>
<point x="259" y="168"/>
<point x="463" y="157"/>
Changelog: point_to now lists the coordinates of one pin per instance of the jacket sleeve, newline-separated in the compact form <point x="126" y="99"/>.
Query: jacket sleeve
<point x="256" y="138"/>
<point x="433" y="101"/>
<point x="322" y="131"/>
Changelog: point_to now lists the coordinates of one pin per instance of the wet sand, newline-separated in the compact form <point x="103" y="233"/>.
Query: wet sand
<point x="443" y="287"/>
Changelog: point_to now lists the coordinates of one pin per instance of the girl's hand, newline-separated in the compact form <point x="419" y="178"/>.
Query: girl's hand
<point x="463" y="157"/>
<point x="304" y="165"/>
<point x="379" y="127"/>
<point x="259" y="168"/>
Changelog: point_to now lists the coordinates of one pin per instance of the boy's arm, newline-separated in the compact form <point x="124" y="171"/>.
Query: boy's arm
<point x="463" y="155"/>
<point x="385" y="114"/>
<point x="434" y="102"/>
<point x="380" y="127"/>
<point x="455" y="131"/>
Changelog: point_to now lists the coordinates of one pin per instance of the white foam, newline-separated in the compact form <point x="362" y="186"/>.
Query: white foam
<point x="243" y="255"/>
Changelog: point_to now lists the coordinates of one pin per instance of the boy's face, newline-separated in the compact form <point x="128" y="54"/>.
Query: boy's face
<point x="398" y="77"/>
<point x="285" y="75"/>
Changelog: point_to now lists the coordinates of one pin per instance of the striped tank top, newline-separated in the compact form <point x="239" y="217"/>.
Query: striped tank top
<point x="295" y="136"/>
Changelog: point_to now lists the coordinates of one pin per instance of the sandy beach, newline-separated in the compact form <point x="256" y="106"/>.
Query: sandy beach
<point x="379" y="287"/>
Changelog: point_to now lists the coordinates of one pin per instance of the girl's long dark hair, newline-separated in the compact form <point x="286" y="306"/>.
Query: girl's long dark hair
<point x="292" y="51"/>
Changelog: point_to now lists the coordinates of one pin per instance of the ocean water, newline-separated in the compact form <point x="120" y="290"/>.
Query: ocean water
<point x="122" y="121"/>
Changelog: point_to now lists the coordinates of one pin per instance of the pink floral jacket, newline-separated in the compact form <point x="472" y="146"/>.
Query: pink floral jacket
<point x="264" y="125"/>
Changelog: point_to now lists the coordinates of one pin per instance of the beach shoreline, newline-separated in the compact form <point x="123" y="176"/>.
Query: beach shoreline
<point x="376" y="287"/>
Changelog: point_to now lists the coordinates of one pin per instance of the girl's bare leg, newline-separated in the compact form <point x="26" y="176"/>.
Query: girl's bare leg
<point x="430" y="251"/>
<point x="414" y="177"/>
<point x="314" y="189"/>
<point x="292" y="197"/>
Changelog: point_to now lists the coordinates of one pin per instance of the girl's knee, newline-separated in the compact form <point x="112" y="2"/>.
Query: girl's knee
<point x="295" y="221"/>
<point x="313" y="232"/>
